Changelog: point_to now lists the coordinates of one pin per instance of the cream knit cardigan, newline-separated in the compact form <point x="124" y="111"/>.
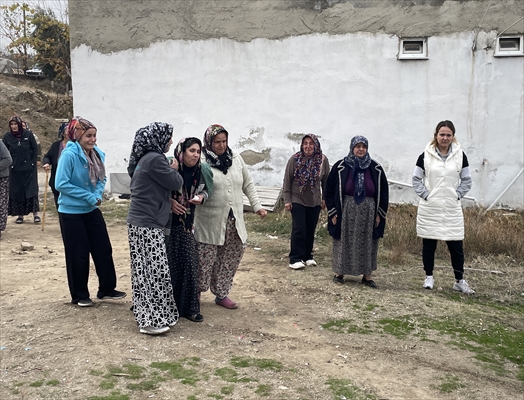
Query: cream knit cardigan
<point x="211" y="217"/>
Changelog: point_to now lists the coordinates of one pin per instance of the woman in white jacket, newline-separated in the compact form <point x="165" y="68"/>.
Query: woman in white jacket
<point x="219" y="222"/>
<point x="441" y="178"/>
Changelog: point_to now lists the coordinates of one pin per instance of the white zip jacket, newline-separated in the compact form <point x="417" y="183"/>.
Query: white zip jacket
<point x="440" y="215"/>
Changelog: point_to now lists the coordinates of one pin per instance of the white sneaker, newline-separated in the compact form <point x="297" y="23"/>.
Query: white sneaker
<point x="311" y="263"/>
<point x="151" y="330"/>
<point x="462" y="286"/>
<point x="428" y="282"/>
<point x="297" y="265"/>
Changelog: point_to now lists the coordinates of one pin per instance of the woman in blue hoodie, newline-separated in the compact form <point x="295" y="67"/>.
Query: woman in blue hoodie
<point x="80" y="179"/>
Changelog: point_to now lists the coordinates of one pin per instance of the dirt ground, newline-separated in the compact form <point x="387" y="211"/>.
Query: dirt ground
<point x="51" y="349"/>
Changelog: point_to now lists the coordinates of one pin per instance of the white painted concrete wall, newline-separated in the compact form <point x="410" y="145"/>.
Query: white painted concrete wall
<point x="333" y="86"/>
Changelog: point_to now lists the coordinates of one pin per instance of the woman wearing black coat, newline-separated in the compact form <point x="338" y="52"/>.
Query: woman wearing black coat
<point x="357" y="197"/>
<point x="50" y="161"/>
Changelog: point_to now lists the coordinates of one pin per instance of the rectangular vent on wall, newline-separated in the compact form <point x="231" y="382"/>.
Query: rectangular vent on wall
<point x="413" y="49"/>
<point x="510" y="46"/>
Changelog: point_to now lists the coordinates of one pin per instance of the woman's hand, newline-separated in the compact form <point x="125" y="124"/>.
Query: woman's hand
<point x="288" y="206"/>
<point x="323" y="204"/>
<point x="262" y="212"/>
<point x="174" y="163"/>
<point x="177" y="208"/>
<point x="334" y="219"/>
<point x="377" y="220"/>
<point x="46" y="167"/>
<point x="98" y="202"/>
<point x="198" y="199"/>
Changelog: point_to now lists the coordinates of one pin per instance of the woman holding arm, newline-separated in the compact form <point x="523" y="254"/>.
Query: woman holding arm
<point x="441" y="178"/>
<point x="219" y="222"/>
<point x="80" y="179"/>
<point x="181" y="245"/>
<point x="152" y="180"/>
<point x="357" y="197"/>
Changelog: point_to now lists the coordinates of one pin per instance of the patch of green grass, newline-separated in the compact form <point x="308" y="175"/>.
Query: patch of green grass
<point x="449" y="384"/>
<point x="227" y="374"/>
<point x="346" y="326"/>
<point x="150" y="384"/>
<point x="15" y="391"/>
<point x="344" y="388"/>
<point x="36" y="383"/>
<point x="228" y="389"/>
<point x="177" y="370"/>
<point x="192" y="397"/>
<point x="370" y="307"/>
<point x="215" y="396"/>
<point x="114" y="211"/>
<point x="53" y="382"/>
<point x="260" y="363"/>
<point x="116" y="396"/>
<point x="398" y="327"/>
<point x="108" y="383"/>
<point x="95" y="372"/>
<point x="263" y="390"/>
<point x="133" y="371"/>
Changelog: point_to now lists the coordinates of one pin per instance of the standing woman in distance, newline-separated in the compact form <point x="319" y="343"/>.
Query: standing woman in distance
<point x="441" y="178"/>
<point x="357" y="197"/>
<point x="152" y="180"/>
<point x="181" y="245"/>
<point x="23" y="183"/>
<point x="219" y="222"/>
<point x="81" y="179"/>
<point x="304" y="189"/>
<point x="50" y="161"/>
<point x="5" y="163"/>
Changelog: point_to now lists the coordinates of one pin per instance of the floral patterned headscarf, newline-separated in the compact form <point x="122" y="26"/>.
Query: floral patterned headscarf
<point x="222" y="162"/>
<point x="358" y="165"/>
<point x="154" y="137"/>
<point x="77" y="127"/>
<point x="307" y="168"/>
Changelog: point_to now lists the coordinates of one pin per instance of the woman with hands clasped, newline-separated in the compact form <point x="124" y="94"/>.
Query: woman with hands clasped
<point x="80" y="179"/>
<point x="181" y="245"/>
<point x="153" y="179"/>
<point x="357" y="197"/>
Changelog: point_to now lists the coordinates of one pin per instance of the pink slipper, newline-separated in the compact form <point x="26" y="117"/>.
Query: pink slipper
<point x="226" y="302"/>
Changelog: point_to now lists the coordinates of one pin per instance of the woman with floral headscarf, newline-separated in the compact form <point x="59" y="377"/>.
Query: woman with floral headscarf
<point x="219" y="222"/>
<point x="81" y="178"/>
<point x="152" y="180"/>
<point x="357" y="197"/>
<point x="304" y="186"/>
<point x="23" y="183"/>
<point x="181" y="245"/>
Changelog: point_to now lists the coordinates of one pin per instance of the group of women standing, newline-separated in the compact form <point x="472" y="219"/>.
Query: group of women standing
<point x="356" y="195"/>
<point x="185" y="224"/>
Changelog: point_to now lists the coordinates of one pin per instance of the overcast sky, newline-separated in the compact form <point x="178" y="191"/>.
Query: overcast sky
<point x="59" y="7"/>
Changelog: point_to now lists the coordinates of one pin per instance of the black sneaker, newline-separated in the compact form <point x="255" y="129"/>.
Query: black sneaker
<point x="85" y="303"/>
<point x="114" y="295"/>
<point x="338" y="279"/>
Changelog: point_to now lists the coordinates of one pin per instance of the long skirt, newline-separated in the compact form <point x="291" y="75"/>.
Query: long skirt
<point x="4" y="201"/>
<point x="355" y="253"/>
<point x="153" y="301"/>
<point x="218" y="264"/>
<point x="26" y="207"/>
<point x="183" y="265"/>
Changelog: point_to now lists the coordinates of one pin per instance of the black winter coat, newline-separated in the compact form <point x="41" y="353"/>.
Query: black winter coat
<point x="23" y="181"/>
<point x="335" y="195"/>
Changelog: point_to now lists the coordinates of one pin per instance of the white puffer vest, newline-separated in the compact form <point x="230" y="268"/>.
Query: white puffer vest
<point x="440" y="216"/>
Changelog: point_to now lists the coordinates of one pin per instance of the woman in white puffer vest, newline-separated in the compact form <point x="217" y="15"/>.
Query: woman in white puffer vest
<point x="441" y="178"/>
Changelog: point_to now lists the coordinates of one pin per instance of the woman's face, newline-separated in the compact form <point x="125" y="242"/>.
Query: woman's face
<point x="308" y="146"/>
<point x="14" y="126"/>
<point x="444" y="137"/>
<point x="219" y="146"/>
<point x="168" y="146"/>
<point x="88" y="139"/>
<point x="360" y="150"/>
<point x="191" y="155"/>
